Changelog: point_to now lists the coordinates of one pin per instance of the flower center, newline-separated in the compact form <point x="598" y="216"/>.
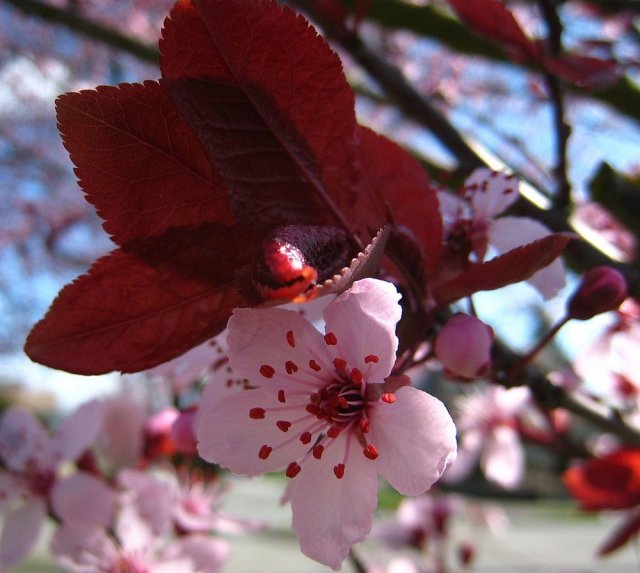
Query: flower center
<point x="339" y="403"/>
<point x="316" y="416"/>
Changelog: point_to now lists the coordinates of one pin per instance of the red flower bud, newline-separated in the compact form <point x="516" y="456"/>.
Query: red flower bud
<point x="464" y="347"/>
<point x="602" y="289"/>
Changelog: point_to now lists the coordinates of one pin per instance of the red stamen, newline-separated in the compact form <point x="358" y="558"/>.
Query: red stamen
<point x="314" y="365"/>
<point x="290" y="339"/>
<point x="312" y="409"/>
<point x="267" y="371"/>
<point x="370" y="452"/>
<point x="333" y="432"/>
<point x="264" y="452"/>
<point x="371" y="358"/>
<point x="283" y="425"/>
<point x="356" y="375"/>
<point x="330" y="339"/>
<point x="257" y="413"/>
<point x="339" y="363"/>
<point x="365" y="426"/>
<point x="293" y="469"/>
<point x="290" y="367"/>
<point x="339" y="471"/>
<point x="281" y="396"/>
<point x="317" y="451"/>
<point x="305" y="438"/>
<point x="388" y="397"/>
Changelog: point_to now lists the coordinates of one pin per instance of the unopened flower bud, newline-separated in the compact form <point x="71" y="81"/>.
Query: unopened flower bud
<point x="183" y="432"/>
<point x="463" y="347"/>
<point x="157" y="433"/>
<point x="602" y="289"/>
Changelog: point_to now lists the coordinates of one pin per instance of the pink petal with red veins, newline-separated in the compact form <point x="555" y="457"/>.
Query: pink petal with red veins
<point x="274" y="346"/>
<point x="228" y="436"/>
<point x="83" y="500"/>
<point x="79" y="431"/>
<point x="507" y="233"/>
<point x="503" y="458"/>
<point x="23" y="440"/>
<point x="363" y="320"/>
<point x="491" y="193"/>
<point x="20" y="532"/>
<point x="331" y="514"/>
<point x="416" y="439"/>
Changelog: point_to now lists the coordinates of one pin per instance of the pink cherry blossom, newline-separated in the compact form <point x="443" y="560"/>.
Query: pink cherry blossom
<point x="486" y="422"/>
<point x="463" y="346"/>
<point x="131" y="546"/>
<point x="31" y="461"/>
<point x="611" y="366"/>
<point x="473" y="218"/>
<point x="182" y="502"/>
<point x="322" y="411"/>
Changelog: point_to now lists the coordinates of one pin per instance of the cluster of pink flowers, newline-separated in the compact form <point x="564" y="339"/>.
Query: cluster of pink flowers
<point x="109" y="517"/>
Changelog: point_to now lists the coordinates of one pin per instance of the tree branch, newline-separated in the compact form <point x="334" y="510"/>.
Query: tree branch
<point x="562" y="130"/>
<point x="550" y="396"/>
<point x="86" y="27"/>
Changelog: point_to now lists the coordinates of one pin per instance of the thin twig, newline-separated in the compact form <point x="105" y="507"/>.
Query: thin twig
<point x="562" y="130"/>
<point x="400" y="90"/>
<point x="549" y="396"/>
<point x="86" y="27"/>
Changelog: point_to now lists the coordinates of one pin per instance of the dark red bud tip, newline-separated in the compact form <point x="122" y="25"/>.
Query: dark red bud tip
<point x="602" y="289"/>
<point x="466" y="554"/>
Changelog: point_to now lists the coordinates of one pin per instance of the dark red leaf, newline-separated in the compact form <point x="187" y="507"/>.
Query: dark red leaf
<point x="584" y="71"/>
<point x="622" y="534"/>
<point x="395" y="189"/>
<point x="512" y="267"/>
<point x="491" y="19"/>
<point x="271" y="106"/>
<point x="134" y="310"/>
<point x="137" y="161"/>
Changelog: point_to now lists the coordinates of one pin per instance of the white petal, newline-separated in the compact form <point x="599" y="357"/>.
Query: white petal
<point x="507" y="233"/>
<point x="490" y="192"/>
<point x="10" y="489"/>
<point x="331" y="514"/>
<point x="121" y="438"/>
<point x="503" y="458"/>
<point x="416" y="440"/>
<point x="207" y="553"/>
<point x="23" y="441"/>
<point x="154" y="499"/>
<point x="364" y="320"/>
<point x="452" y="207"/>
<point x="83" y="500"/>
<point x="468" y="454"/>
<point x="79" y="431"/>
<point x="275" y="345"/>
<point x="20" y="532"/>
<point x="228" y="436"/>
